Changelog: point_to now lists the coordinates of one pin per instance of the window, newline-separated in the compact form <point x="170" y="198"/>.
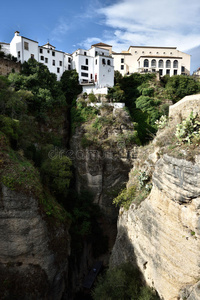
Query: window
<point x="95" y="61"/>
<point x="160" y="72"/>
<point x="175" y="72"/>
<point x="69" y="67"/>
<point x="171" y="53"/>
<point x="84" y="68"/>
<point x="84" y="74"/>
<point x="91" y="76"/>
<point x="41" y="50"/>
<point x="160" y="63"/>
<point x="26" y="45"/>
<point x="95" y="77"/>
<point x="142" y="52"/>
<point x="153" y="63"/>
<point x="168" y="72"/>
<point x="103" y="61"/>
<point x="182" y="69"/>
<point x="18" y="54"/>
<point x="163" y="52"/>
<point x="122" y="67"/>
<point x="86" y="61"/>
<point x="96" y="53"/>
<point x="135" y="52"/>
<point x="69" y="59"/>
<point x="32" y="56"/>
<point x="53" y="62"/>
<point x="48" y="51"/>
<point x="53" y="53"/>
<point x="150" y="52"/>
<point x="146" y="63"/>
<point x="168" y="63"/>
<point x="46" y="60"/>
<point x="60" y="63"/>
<point x="157" y="52"/>
<point x="85" y="53"/>
<point x="122" y="60"/>
<point x="42" y="57"/>
<point x="58" y="70"/>
<point x="108" y="62"/>
<point x="175" y="64"/>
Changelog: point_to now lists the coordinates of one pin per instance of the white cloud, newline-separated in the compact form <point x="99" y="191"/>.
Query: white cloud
<point x="60" y="29"/>
<point x="155" y="22"/>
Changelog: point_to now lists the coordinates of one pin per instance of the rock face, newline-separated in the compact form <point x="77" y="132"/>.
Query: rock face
<point x="162" y="235"/>
<point x="103" y="169"/>
<point x="33" y="261"/>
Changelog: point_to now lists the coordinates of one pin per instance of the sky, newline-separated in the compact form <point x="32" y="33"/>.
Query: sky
<point x="69" y="25"/>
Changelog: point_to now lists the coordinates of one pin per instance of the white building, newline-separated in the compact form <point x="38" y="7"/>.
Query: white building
<point x="95" y="68"/>
<point x="141" y="59"/>
<point x="24" y="48"/>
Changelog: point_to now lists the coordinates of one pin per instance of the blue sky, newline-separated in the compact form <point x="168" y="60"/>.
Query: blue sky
<point x="70" y="25"/>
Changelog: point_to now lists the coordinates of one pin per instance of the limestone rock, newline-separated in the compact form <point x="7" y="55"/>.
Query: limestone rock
<point x="162" y="235"/>
<point x="28" y="250"/>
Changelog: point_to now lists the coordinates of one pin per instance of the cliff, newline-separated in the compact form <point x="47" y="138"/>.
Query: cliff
<point x="33" y="259"/>
<point x="103" y="155"/>
<point x="161" y="235"/>
<point x="34" y="238"/>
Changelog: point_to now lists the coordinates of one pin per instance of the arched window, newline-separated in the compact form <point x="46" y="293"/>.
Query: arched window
<point x="175" y="64"/>
<point x="108" y="62"/>
<point x="153" y="63"/>
<point x="103" y="61"/>
<point x="160" y="63"/>
<point x="168" y="63"/>
<point x="146" y="63"/>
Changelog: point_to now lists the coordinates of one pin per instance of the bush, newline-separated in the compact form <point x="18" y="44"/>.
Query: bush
<point x="188" y="129"/>
<point x="122" y="283"/>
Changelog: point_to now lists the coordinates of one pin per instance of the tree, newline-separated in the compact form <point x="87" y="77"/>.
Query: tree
<point x="180" y="86"/>
<point x="115" y="94"/>
<point x="70" y="85"/>
<point x="57" y="174"/>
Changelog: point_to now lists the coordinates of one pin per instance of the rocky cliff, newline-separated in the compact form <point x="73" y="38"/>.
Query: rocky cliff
<point x="161" y="235"/>
<point x="103" y="156"/>
<point x="33" y="257"/>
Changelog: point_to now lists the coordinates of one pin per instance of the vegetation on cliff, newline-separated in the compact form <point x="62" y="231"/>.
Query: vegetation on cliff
<point x="122" y="282"/>
<point x="33" y="160"/>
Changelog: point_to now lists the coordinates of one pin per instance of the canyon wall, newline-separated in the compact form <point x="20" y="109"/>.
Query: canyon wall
<point x="103" y="169"/>
<point x="33" y="257"/>
<point x="162" y="235"/>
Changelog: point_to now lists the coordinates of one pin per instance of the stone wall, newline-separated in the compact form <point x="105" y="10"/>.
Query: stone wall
<point x="8" y="66"/>
<point x="183" y="108"/>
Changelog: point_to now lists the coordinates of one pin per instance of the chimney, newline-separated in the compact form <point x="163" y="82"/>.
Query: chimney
<point x="16" y="33"/>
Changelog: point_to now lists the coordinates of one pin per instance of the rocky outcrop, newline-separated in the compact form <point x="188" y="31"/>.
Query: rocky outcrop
<point x="103" y="168"/>
<point x="162" y="235"/>
<point x="33" y="258"/>
<point x="182" y="109"/>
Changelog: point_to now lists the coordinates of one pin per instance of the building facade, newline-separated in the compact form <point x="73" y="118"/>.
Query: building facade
<point x="141" y="59"/>
<point x="95" y="68"/>
<point x="24" y="48"/>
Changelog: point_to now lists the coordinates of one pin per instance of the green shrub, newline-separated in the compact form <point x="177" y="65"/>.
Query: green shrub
<point x="122" y="283"/>
<point x="188" y="129"/>
<point x="126" y="197"/>
<point x="92" y="98"/>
